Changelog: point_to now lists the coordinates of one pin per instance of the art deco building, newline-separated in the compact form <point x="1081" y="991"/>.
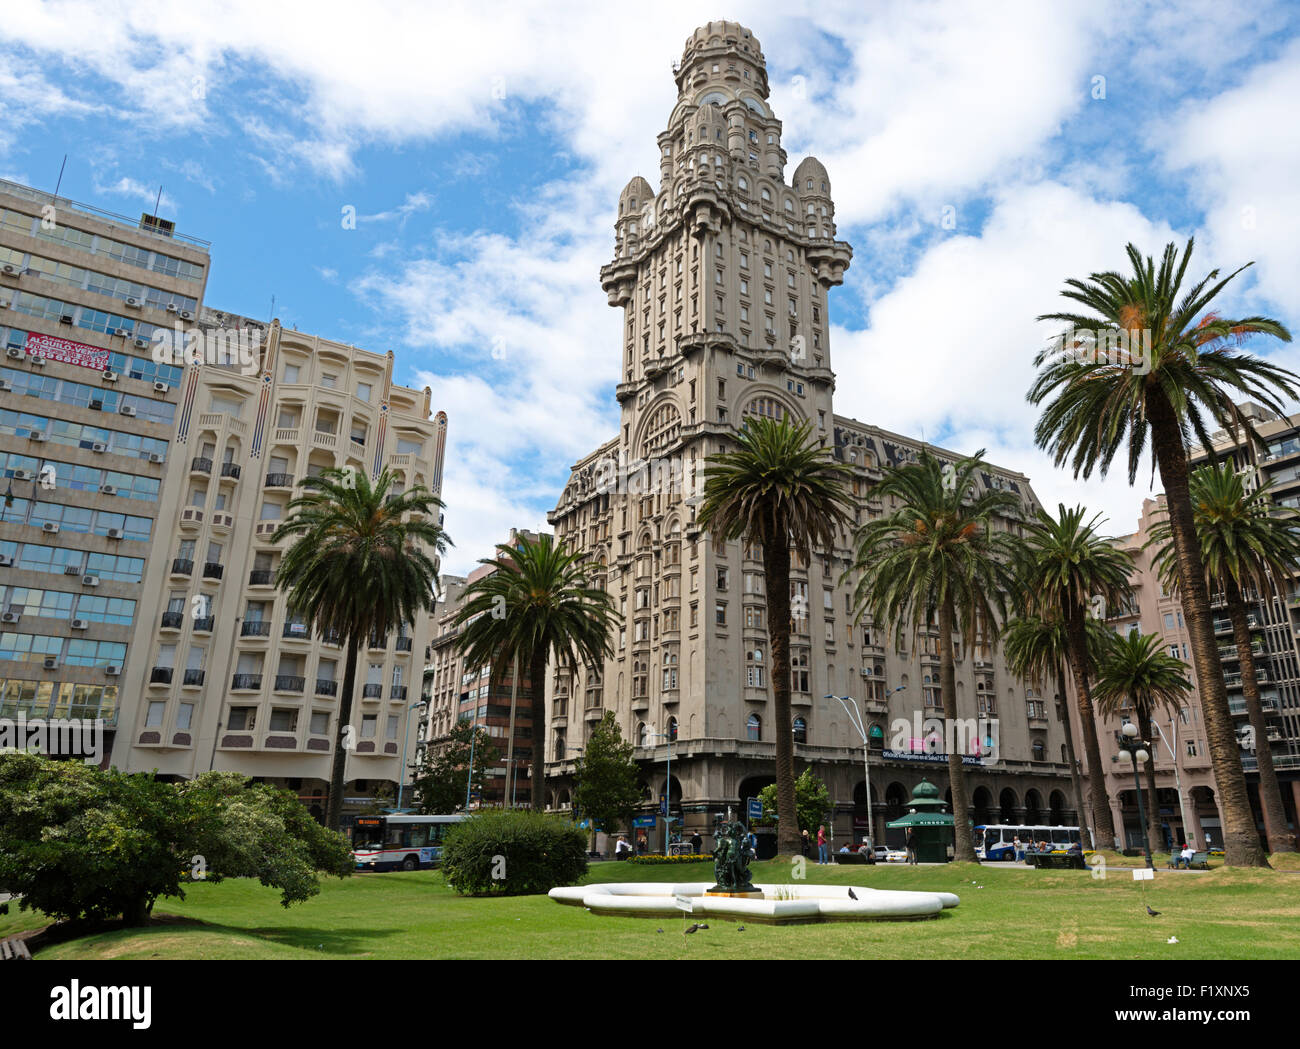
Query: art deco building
<point x="723" y="276"/>
<point x="87" y="432"/>
<point x="226" y="678"/>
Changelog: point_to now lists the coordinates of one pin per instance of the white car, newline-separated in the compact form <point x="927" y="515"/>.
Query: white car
<point x="896" y="856"/>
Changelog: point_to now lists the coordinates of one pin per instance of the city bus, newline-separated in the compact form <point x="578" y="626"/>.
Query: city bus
<point x="400" y="841"/>
<point x="995" y="841"/>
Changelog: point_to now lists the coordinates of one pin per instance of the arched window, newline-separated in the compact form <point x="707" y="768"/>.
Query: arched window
<point x="800" y="730"/>
<point x="1039" y="750"/>
<point x="754" y="727"/>
<point x="743" y="183"/>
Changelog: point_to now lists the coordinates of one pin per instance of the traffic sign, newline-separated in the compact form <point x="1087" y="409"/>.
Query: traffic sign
<point x="755" y="808"/>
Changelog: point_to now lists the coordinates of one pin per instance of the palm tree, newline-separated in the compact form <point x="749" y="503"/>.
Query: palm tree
<point x="1036" y="648"/>
<point x="938" y="555"/>
<point x="363" y="563"/>
<point x="1070" y="572"/>
<point x="780" y="489"/>
<point x="1188" y="371"/>
<point x="1134" y="671"/>
<point x="537" y="604"/>
<point x="1246" y="543"/>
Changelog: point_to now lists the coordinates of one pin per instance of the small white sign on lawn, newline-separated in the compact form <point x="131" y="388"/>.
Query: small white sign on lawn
<point x="1144" y="874"/>
<point x="684" y="904"/>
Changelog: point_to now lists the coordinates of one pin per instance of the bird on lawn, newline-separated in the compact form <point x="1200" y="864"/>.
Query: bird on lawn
<point x="689" y="930"/>
<point x="659" y="930"/>
<point x="1154" y="914"/>
<point x="704" y="926"/>
<point x="740" y="928"/>
<point x="852" y="895"/>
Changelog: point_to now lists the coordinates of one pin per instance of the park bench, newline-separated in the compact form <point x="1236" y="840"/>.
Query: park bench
<point x="14" y="949"/>
<point x="1201" y="861"/>
<point x="852" y="857"/>
<point x="1056" y="860"/>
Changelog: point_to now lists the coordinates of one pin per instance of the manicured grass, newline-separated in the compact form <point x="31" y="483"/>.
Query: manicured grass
<point x="1018" y="913"/>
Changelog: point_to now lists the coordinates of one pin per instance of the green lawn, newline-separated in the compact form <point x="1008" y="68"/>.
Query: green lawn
<point x="1017" y="913"/>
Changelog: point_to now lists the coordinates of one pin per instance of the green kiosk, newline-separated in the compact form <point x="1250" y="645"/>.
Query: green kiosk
<point x="931" y="827"/>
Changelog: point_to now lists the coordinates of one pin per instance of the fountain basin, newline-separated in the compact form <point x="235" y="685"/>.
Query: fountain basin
<point x="780" y="903"/>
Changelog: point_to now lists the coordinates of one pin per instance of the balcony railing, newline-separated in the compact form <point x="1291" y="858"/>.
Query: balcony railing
<point x="200" y="464"/>
<point x="326" y="687"/>
<point x="372" y="691"/>
<point x="194" y="677"/>
<point x="289" y="683"/>
<point x="279" y="480"/>
<point x="255" y="628"/>
<point x="172" y="620"/>
<point x="182" y="566"/>
<point x="230" y="470"/>
<point x="298" y="631"/>
<point x="403" y="644"/>
<point x="246" y="681"/>
<point x="397" y="692"/>
<point x="160" y="676"/>
<point x="213" y="570"/>
<point x="261" y="577"/>
<point x="204" y="625"/>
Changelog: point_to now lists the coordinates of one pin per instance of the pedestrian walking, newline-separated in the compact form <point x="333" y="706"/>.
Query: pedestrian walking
<point x="823" y="851"/>
<point x="911" y="847"/>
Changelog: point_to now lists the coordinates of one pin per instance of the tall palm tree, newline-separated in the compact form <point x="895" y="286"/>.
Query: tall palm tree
<point x="1164" y="394"/>
<point x="938" y="556"/>
<point x="782" y="490"/>
<point x="1037" y="649"/>
<point x="1246" y="544"/>
<point x="363" y="563"/>
<point x="1065" y="568"/>
<point x="1135" y="672"/>
<point x="537" y="604"/>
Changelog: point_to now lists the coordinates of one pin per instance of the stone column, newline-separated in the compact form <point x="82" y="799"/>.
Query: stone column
<point x="1194" y="831"/>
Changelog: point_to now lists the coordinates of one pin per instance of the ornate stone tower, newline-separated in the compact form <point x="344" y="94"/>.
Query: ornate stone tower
<point x="723" y="277"/>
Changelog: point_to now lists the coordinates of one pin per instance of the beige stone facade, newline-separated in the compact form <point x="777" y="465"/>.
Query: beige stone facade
<point x="723" y="276"/>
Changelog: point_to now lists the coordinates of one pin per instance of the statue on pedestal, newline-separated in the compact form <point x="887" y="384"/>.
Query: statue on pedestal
<point x="731" y="859"/>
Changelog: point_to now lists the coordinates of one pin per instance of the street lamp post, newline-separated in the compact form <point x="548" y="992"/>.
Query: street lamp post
<point x="406" y="738"/>
<point x="856" y="719"/>
<point x="1133" y="750"/>
<point x="668" y="786"/>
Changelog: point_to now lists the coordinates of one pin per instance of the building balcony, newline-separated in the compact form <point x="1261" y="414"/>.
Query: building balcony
<point x="1237" y="707"/>
<point x="200" y="465"/>
<point x="875" y="706"/>
<point x="1230" y="652"/>
<point x="230" y="471"/>
<point x="204" y="625"/>
<point x="182" y="566"/>
<point x="279" y="481"/>
<point x="397" y="692"/>
<point x="172" y="620"/>
<point x="289" y="683"/>
<point x="372" y="691"/>
<point x="1224" y="626"/>
<point x="213" y="570"/>
<point x="326" y="687"/>
<point x="403" y="644"/>
<point x="332" y="637"/>
<point x="377" y="644"/>
<point x="296" y="632"/>
<point x="160" y="676"/>
<point x="246" y="682"/>
<point x="255" y="628"/>
<point x="1235" y="680"/>
<point x="261" y="577"/>
<point x="193" y="677"/>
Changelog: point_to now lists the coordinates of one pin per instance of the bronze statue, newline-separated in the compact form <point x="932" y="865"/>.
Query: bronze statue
<point x="731" y="859"/>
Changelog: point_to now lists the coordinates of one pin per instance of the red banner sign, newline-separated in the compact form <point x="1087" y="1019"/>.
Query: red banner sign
<point x="56" y="349"/>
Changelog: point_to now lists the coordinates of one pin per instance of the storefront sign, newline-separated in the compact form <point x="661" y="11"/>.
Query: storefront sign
<point x="68" y="352"/>
<point x="932" y="759"/>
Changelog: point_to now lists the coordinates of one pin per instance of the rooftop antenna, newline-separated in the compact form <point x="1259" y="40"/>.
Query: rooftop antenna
<point x="157" y="200"/>
<point x="272" y="317"/>
<point x="61" y="167"/>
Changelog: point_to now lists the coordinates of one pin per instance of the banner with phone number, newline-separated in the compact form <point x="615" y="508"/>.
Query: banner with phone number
<point x="56" y="349"/>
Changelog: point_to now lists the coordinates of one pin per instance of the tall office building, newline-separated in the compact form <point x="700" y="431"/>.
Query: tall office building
<point x="723" y="276"/>
<point x="225" y="676"/>
<point x="87" y="431"/>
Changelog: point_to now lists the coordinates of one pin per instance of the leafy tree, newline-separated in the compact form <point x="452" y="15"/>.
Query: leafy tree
<point x="812" y="803"/>
<point x="1135" y="673"/>
<point x="1183" y="386"/>
<point x="537" y="604"/>
<point x="440" y="785"/>
<point x="363" y="562"/>
<point x="938" y="562"/>
<point x="79" y="842"/>
<point x="782" y="490"/>
<point x="1247" y="543"/>
<point x="606" y="791"/>
<point x="1068" y="571"/>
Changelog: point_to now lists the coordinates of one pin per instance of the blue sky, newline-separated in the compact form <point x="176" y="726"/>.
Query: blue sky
<point x="483" y="148"/>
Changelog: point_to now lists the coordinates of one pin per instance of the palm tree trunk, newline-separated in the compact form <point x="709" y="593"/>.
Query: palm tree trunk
<point x="1075" y="779"/>
<point x="1240" y="838"/>
<point x="1153" y="808"/>
<point x="342" y="738"/>
<point x="537" y="683"/>
<point x="776" y="571"/>
<point x="1270" y="792"/>
<point x="1103" y="824"/>
<point x="963" y="847"/>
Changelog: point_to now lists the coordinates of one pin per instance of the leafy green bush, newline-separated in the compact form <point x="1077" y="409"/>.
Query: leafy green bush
<point x="652" y="860"/>
<point x="513" y="854"/>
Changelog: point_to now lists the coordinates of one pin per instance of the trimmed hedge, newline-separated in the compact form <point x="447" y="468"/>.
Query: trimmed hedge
<point x="513" y="854"/>
<point x="652" y="860"/>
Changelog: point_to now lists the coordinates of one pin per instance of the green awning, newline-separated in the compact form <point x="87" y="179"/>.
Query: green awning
<point x="923" y="819"/>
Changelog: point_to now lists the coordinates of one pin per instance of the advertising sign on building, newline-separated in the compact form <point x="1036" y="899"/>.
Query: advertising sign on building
<point x="65" y="350"/>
